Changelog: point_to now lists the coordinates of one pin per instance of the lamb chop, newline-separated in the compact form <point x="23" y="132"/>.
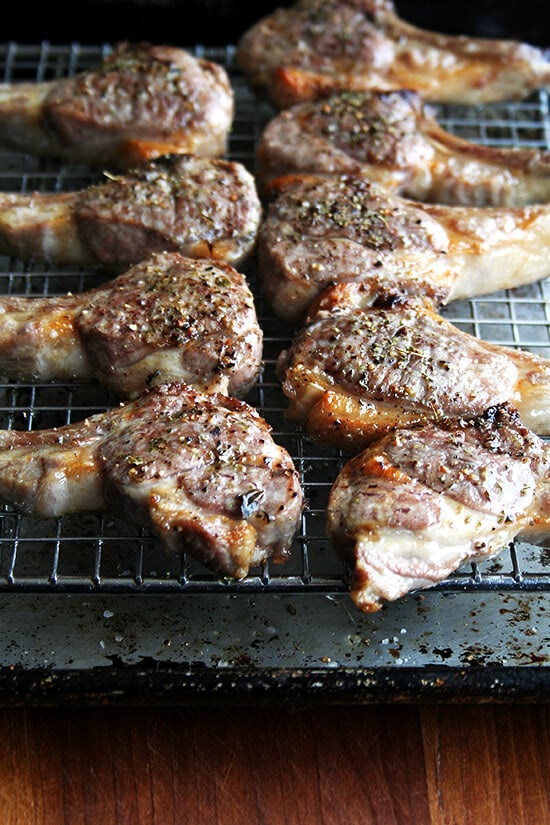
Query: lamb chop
<point x="140" y="102"/>
<point x="316" y="47"/>
<point x="394" y="140"/>
<point x="201" y="207"/>
<point x="320" y="231"/>
<point x="169" y="318"/>
<point x="421" y="502"/>
<point x="372" y="361"/>
<point x="201" y="470"/>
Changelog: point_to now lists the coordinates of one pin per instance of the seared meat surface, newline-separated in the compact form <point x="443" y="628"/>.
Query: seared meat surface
<point x="393" y="139"/>
<point x="421" y="502"/>
<point x="200" y="207"/>
<point x="169" y="318"/>
<point x="360" y="369"/>
<point x="320" y="231"/>
<point x="201" y="470"/>
<point x="315" y="47"/>
<point x="140" y="102"/>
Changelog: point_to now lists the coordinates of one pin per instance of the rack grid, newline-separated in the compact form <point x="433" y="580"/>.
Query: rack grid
<point x="95" y="552"/>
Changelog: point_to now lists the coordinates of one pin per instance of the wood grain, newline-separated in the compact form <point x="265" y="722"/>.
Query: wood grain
<point x="503" y="772"/>
<point x="386" y="765"/>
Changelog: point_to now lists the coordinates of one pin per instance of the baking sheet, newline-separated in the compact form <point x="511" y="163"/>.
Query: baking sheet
<point x="94" y="610"/>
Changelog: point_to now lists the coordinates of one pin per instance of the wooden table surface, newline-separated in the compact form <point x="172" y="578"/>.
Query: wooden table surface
<point x="392" y="765"/>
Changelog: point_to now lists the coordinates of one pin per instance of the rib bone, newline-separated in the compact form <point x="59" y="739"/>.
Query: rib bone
<point x="369" y="361"/>
<point x="200" y="207"/>
<point x="168" y="318"/>
<point x="321" y="231"/>
<point x="395" y="141"/>
<point x="140" y="102"/>
<point x="202" y="471"/>
<point x="316" y="47"/>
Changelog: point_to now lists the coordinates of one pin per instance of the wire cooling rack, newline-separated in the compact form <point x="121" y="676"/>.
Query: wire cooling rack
<point x="94" y="552"/>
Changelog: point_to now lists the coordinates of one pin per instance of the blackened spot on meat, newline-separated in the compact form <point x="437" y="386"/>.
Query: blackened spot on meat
<point x="388" y="299"/>
<point x="250" y="502"/>
<point x="151" y="378"/>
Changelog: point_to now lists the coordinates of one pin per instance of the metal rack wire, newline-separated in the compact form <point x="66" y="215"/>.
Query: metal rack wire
<point x="94" y="552"/>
